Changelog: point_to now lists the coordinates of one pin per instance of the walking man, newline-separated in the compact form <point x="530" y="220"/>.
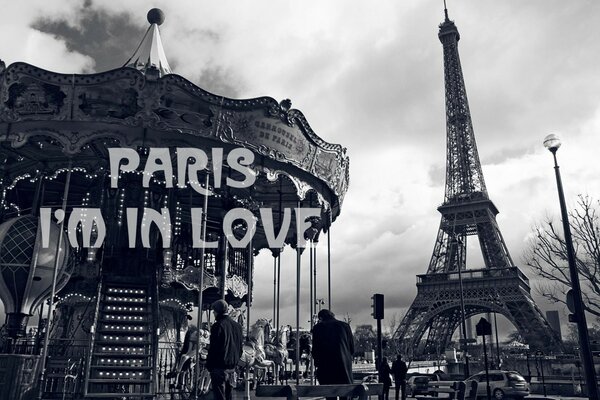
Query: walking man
<point x="399" y="369"/>
<point x="384" y="377"/>
<point x="333" y="347"/>
<point x="224" y="351"/>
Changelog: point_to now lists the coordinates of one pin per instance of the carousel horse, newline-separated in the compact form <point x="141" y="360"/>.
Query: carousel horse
<point x="253" y="352"/>
<point x="277" y="351"/>
<point x="187" y="356"/>
<point x="238" y="315"/>
<point x="305" y="349"/>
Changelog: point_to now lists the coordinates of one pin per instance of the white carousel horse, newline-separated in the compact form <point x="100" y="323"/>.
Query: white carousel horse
<point x="277" y="350"/>
<point x="238" y="315"/>
<point x="187" y="357"/>
<point x="253" y="354"/>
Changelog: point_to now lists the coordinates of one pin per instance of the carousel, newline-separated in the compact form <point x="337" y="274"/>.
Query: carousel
<point x="130" y="201"/>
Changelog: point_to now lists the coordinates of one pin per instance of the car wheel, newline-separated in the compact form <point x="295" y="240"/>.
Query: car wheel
<point x="498" y="394"/>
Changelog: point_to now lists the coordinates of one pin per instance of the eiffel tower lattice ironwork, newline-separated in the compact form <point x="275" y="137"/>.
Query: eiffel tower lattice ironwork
<point x="500" y="286"/>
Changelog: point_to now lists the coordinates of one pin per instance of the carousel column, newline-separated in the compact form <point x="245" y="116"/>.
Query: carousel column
<point x="35" y="206"/>
<point x="53" y="290"/>
<point x="329" y="262"/>
<point x="275" y="290"/>
<point x="298" y="262"/>
<point x="277" y="322"/>
<point x="200" y="286"/>
<point x="278" y="289"/>
<point x="313" y="306"/>
<point x="248" y="306"/>
<point x="223" y="263"/>
<point x="298" y="265"/>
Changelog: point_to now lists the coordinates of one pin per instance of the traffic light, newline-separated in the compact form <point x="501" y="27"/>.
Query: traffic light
<point x="377" y="306"/>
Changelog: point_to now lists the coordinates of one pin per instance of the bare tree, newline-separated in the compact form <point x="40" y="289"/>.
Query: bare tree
<point x="392" y="324"/>
<point x="548" y="255"/>
<point x="347" y="319"/>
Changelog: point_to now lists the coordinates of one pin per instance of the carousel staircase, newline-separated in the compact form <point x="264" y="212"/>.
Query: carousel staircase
<point x="122" y="352"/>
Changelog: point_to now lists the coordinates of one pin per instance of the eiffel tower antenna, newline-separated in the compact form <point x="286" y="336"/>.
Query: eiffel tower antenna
<point x="449" y="292"/>
<point x="446" y="11"/>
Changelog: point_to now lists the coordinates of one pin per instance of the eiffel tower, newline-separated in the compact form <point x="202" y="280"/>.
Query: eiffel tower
<point x="499" y="287"/>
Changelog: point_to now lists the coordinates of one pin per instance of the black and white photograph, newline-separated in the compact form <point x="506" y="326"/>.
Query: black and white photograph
<point x="237" y="200"/>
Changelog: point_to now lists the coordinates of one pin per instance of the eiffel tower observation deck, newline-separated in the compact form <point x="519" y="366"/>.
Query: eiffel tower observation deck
<point x="449" y="292"/>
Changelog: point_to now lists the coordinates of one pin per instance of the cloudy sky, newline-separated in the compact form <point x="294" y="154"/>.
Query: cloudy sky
<point x="368" y="75"/>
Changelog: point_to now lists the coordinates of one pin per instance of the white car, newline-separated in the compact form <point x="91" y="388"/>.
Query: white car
<point x="503" y="384"/>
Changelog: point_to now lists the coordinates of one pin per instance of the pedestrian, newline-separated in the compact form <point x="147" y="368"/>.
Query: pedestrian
<point x="333" y="348"/>
<point x="399" y="369"/>
<point x="226" y="340"/>
<point x="384" y="372"/>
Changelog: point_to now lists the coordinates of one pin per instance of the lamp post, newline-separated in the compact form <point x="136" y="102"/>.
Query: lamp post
<point x="552" y="143"/>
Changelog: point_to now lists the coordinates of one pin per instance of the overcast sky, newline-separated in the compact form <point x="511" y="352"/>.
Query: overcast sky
<point x="369" y="75"/>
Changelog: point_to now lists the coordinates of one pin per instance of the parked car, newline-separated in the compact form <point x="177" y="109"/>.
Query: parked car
<point x="416" y="385"/>
<point x="503" y="384"/>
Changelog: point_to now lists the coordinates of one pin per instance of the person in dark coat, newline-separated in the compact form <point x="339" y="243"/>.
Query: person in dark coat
<point x="226" y="340"/>
<point x="399" y="369"/>
<point x="384" y="372"/>
<point x="333" y="347"/>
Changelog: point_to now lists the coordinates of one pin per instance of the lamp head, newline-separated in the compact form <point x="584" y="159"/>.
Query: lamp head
<point x="552" y="142"/>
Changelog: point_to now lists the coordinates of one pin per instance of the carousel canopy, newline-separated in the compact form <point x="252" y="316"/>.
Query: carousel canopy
<point x="49" y="120"/>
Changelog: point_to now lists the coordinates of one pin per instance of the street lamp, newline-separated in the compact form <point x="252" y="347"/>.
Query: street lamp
<point x="552" y="143"/>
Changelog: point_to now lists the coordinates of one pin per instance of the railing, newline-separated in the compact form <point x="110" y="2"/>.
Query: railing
<point x="69" y="357"/>
<point x="472" y="275"/>
<point x="166" y="364"/>
<point x="64" y="366"/>
<point x="88" y="361"/>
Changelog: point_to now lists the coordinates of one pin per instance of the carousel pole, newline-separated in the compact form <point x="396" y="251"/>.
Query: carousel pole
<point x="38" y="200"/>
<point x="329" y="262"/>
<point x="200" y="285"/>
<point x="317" y="309"/>
<point x="315" y="275"/>
<point x="54" y="273"/>
<point x="277" y="322"/>
<point x="312" y="282"/>
<point x="275" y="290"/>
<point x="310" y="275"/>
<point x="312" y="307"/>
<point x="248" y="305"/>
<point x="278" y="288"/>
<point x="298" y="260"/>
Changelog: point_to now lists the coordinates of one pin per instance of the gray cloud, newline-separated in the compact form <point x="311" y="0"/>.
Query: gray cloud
<point x="109" y="39"/>
<point x="371" y="78"/>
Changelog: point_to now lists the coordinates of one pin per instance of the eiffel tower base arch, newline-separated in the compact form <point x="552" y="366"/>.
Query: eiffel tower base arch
<point x="435" y="314"/>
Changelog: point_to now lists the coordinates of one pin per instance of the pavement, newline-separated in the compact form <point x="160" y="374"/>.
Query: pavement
<point x="239" y="395"/>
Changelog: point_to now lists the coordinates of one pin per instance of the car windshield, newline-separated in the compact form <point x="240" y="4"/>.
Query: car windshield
<point x="514" y="377"/>
<point x="421" y="379"/>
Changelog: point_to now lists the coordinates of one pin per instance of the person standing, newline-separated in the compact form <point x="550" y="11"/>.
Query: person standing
<point x="225" y="349"/>
<point x="399" y="369"/>
<point x="384" y="377"/>
<point x="333" y="348"/>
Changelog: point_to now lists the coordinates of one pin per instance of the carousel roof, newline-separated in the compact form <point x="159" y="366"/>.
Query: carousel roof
<point x="150" y="52"/>
<point x="49" y="120"/>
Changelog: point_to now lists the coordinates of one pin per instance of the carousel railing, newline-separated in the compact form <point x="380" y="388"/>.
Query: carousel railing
<point x="64" y="366"/>
<point x="90" y="344"/>
<point x="166" y="363"/>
